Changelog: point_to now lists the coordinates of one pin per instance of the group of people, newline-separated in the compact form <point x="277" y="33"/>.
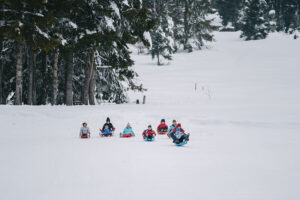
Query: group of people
<point x="175" y="131"/>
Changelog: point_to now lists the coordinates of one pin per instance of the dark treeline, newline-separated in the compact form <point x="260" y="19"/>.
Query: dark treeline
<point x="256" y="18"/>
<point x="76" y="51"/>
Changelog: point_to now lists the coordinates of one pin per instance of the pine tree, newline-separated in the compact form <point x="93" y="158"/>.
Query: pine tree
<point x="272" y="20"/>
<point x="161" y="45"/>
<point x="289" y="15"/>
<point x="162" y="35"/>
<point x="229" y="11"/>
<point x="255" y="20"/>
<point x="192" y="25"/>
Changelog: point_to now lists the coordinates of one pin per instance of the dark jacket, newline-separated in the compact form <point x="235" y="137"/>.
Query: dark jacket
<point x="108" y="126"/>
<point x="162" y="127"/>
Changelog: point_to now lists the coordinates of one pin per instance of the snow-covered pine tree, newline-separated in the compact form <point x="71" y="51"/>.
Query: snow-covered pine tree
<point x="132" y="22"/>
<point x="162" y="35"/>
<point x="161" y="45"/>
<point x="192" y="22"/>
<point x="229" y="10"/>
<point x="255" y="20"/>
<point x="289" y="15"/>
<point x="272" y="20"/>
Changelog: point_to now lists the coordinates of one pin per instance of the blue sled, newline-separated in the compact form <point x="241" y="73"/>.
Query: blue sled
<point x="181" y="143"/>
<point x="149" y="139"/>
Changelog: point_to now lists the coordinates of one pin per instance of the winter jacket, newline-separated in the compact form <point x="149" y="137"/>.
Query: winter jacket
<point x="108" y="126"/>
<point x="84" y="131"/>
<point x="178" y="135"/>
<point x="148" y="133"/>
<point x="128" y="131"/>
<point x="162" y="126"/>
<point x="171" y="129"/>
<point x="107" y="132"/>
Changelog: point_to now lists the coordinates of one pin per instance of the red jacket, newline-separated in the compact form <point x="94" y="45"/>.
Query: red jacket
<point x="150" y="133"/>
<point x="178" y="125"/>
<point x="162" y="126"/>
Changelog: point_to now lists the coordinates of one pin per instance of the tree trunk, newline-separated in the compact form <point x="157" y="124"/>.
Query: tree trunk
<point x="158" y="62"/>
<point x="93" y="80"/>
<point x="44" y="79"/>
<point x="55" y="77"/>
<point x="31" y="71"/>
<point x="1" y="72"/>
<point x="185" y="23"/>
<point x="19" y="75"/>
<point x="34" y="81"/>
<point x="88" y="76"/>
<point x="69" y="77"/>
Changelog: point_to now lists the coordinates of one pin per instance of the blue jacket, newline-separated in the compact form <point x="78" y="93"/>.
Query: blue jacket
<point x="171" y="128"/>
<point x="127" y="131"/>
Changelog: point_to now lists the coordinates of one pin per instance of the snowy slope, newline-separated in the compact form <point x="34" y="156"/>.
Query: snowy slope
<point x="244" y="120"/>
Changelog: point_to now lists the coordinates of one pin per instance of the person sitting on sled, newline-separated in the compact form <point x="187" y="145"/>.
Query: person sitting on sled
<point x="127" y="132"/>
<point x="84" y="130"/>
<point x="149" y="133"/>
<point x="179" y="136"/>
<point x="162" y="127"/>
<point x="108" y="128"/>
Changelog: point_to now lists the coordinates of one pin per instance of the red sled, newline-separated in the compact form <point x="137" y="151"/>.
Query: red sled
<point x="126" y="135"/>
<point x="162" y="133"/>
<point x="85" y="136"/>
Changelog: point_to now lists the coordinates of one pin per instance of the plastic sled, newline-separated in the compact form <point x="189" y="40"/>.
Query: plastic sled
<point x="162" y="133"/>
<point x="181" y="143"/>
<point x="85" y="136"/>
<point x="126" y="135"/>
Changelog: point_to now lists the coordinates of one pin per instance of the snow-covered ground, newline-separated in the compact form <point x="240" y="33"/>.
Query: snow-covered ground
<point x="244" y="120"/>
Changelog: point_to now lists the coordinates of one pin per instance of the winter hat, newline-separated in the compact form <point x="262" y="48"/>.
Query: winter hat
<point x="107" y="119"/>
<point x="179" y="125"/>
<point x="174" y="120"/>
<point x="163" y="120"/>
<point x="149" y="126"/>
<point x="128" y="125"/>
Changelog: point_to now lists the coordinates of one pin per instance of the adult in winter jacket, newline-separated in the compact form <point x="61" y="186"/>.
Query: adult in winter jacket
<point x="179" y="136"/>
<point x="172" y="127"/>
<point x="149" y="133"/>
<point x="108" y="128"/>
<point x="84" y="130"/>
<point x="162" y="127"/>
